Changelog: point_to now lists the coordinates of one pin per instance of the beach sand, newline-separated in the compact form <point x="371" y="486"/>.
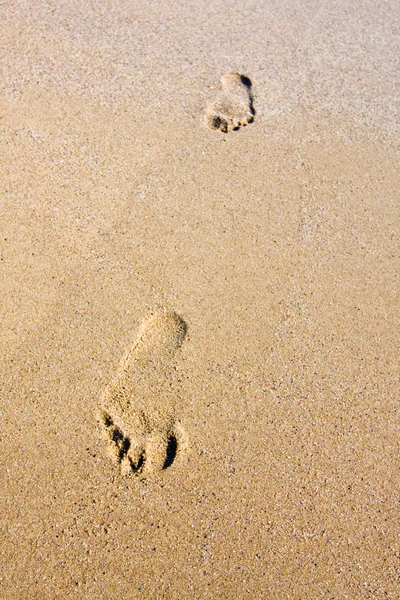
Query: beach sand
<point x="218" y="310"/>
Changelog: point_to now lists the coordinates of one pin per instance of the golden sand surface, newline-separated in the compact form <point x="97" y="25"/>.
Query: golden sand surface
<point x="218" y="311"/>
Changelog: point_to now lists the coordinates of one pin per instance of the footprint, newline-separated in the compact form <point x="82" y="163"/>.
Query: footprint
<point x="138" y="408"/>
<point x="234" y="108"/>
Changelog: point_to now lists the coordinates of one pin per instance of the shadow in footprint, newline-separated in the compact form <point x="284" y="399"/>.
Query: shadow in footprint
<point x="172" y="449"/>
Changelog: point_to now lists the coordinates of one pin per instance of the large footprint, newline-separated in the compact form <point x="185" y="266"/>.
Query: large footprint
<point x="234" y="108"/>
<point x="138" y="407"/>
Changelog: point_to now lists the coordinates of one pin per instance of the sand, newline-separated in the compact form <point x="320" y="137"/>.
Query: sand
<point x="229" y="299"/>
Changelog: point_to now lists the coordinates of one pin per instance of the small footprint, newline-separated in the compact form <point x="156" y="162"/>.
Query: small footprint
<point x="138" y="408"/>
<point x="234" y="107"/>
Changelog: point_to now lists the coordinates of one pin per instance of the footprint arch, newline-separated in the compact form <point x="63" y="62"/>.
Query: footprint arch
<point x="138" y="410"/>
